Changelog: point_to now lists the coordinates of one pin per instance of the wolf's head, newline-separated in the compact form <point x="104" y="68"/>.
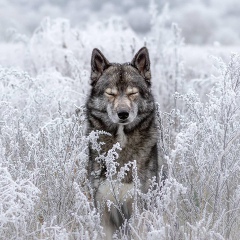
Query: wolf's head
<point x="121" y="93"/>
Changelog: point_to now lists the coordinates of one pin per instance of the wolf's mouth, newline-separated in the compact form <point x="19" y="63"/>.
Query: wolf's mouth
<point x="124" y="122"/>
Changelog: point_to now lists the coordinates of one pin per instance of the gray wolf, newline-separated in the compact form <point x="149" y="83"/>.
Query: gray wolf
<point x="121" y="103"/>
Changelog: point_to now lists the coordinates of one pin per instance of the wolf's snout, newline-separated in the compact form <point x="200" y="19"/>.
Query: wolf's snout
<point x="123" y="115"/>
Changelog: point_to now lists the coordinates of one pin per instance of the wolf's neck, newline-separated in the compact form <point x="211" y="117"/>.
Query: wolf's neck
<point x="121" y="136"/>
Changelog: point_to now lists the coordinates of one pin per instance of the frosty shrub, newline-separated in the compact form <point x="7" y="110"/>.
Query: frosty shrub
<point x="18" y="198"/>
<point x="206" y="158"/>
<point x="43" y="159"/>
<point x="47" y="193"/>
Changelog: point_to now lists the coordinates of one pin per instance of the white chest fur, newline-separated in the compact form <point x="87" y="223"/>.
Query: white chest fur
<point x="121" y="136"/>
<point x="122" y="191"/>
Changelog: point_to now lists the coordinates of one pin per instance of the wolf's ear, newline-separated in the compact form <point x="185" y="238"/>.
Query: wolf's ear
<point x="98" y="64"/>
<point x="141" y="61"/>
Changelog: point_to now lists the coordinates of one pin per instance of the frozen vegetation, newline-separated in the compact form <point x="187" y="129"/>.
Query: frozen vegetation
<point x="44" y="81"/>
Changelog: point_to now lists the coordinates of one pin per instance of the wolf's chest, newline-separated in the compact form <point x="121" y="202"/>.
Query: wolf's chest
<point x="111" y="191"/>
<point x="121" y="136"/>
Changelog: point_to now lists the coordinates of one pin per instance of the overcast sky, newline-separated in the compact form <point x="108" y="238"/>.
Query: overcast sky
<point x="202" y="21"/>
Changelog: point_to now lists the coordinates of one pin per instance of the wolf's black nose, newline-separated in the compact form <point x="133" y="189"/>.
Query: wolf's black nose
<point x="123" y="115"/>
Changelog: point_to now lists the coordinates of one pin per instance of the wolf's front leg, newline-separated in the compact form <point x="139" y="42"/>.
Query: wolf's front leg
<point x="109" y="226"/>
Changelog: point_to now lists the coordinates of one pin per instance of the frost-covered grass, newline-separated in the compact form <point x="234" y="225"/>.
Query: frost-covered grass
<point x="44" y="190"/>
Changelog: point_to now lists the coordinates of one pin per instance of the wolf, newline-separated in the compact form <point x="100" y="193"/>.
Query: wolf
<point x="121" y="103"/>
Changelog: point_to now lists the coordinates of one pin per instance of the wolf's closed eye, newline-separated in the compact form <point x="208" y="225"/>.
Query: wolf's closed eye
<point x="133" y="94"/>
<point x="110" y="94"/>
